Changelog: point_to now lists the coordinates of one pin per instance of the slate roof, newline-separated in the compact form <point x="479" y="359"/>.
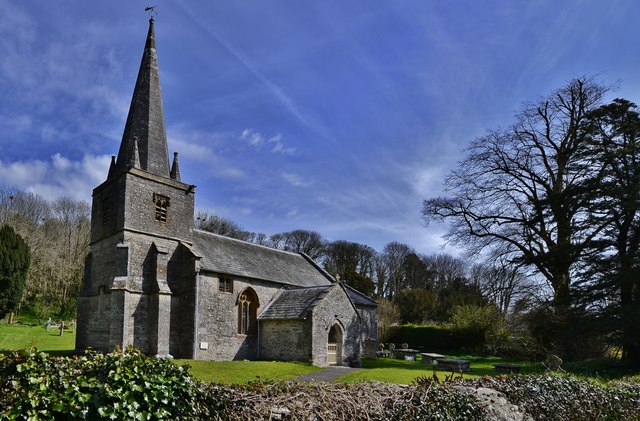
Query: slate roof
<point x="235" y="257"/>
<point x="294" y="303"/>
<point x="359" y="298"/>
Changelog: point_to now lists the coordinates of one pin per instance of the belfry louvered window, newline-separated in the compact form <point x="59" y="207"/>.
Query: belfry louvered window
<point x="161" y="207"/>
<point x="106" y="212"/>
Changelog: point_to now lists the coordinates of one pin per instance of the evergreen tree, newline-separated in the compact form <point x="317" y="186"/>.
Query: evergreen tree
<point x="14" y="264"/>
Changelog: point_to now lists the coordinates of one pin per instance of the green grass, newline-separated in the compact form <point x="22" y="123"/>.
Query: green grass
<point x="391" y="370"/>
<point x="246" y="371"/>
<point x="20" y="337"/>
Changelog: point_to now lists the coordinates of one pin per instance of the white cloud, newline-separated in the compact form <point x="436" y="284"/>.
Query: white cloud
<point x="22" y="174"/>
<point x="58" y="177"/>
<point x="278" y="145"/>
<point x="295" y="180"/>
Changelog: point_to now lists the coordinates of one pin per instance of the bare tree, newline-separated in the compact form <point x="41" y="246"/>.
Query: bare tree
<point x="501" y="283"/>
<point x="220" y="225"/>
<point x="394" y="256"/>
<point x="300" y="241"/>
<point x="520" y="192"/>
<point x="344" y="256"/>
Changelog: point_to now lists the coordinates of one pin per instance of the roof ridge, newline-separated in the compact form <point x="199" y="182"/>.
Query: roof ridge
<point x="248" y="242"/>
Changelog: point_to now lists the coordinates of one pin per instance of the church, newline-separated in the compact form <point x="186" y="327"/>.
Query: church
<point x="154" y="282"/>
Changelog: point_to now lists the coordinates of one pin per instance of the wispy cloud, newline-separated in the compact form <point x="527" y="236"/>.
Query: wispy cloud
<point x="295" y="180"/>
<point x="275" y="143"/>
<point x="198" y="147"/>
<point x="275" y="89"/>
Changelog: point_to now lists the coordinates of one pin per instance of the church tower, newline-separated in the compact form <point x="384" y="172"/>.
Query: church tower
<point x="139" y="264"/>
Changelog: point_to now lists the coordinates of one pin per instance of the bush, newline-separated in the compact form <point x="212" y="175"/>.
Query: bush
<point x="119" y="385"/>
<point x="436" y="338"/>
<point x="485" y="321"/>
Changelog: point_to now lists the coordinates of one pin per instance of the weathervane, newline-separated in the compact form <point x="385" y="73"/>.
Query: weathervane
<point x="151" y="10"/>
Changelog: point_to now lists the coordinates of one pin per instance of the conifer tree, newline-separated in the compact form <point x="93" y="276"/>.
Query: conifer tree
<point x="14" y="264"/>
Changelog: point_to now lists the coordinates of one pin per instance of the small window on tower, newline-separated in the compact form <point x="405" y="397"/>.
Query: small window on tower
<point x="161" y="207"/>
<point x="106" y="212"/>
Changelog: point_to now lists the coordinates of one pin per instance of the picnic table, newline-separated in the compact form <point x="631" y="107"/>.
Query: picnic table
<point x="430" y="357"/>
<point x="406" y="354"/>
<point x="454" y="365"/>
<point x="507" y="368"/>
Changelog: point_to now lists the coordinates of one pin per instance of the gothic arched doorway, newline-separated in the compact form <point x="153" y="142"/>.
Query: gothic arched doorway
<point x="334" y="345"/>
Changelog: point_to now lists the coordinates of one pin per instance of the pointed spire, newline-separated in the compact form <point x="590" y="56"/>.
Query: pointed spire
<point x="175" y="168"/>
<point x="146" y="118"/>
<point x="112" y="167"/>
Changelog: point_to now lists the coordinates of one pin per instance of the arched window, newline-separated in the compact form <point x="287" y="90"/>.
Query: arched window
<point x="247" y="312"/>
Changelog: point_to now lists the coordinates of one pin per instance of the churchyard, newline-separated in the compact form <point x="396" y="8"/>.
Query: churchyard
<point x="55" y="384"/>
<point x="389" y="370"/>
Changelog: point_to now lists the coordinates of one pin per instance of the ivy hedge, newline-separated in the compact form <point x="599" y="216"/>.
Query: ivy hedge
<point x="129" y="385"/>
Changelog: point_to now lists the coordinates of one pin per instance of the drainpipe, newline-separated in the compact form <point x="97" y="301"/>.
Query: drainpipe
<point x="258" y="353"/>
<point x="196" y="316"/>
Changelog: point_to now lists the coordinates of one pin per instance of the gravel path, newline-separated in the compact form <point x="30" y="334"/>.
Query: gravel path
<point x="327" y="375"/>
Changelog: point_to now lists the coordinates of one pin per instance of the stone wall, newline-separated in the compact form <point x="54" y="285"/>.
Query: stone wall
<point x="285" y="340"/>
<point x="336" y="308"/>
<point x="369" y="332"/>
<point x="217" y="325"/>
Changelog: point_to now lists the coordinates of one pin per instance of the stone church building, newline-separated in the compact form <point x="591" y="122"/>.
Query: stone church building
<point x="155" y="282"/>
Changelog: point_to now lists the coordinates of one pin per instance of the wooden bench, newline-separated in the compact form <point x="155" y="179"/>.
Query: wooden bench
<point x="507" y="368"/>
<point x="406" y="354"/>
<point x="430" y="357"/>
<point x="454" y="365"/>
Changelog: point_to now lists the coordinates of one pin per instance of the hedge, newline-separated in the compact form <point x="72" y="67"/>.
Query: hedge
<point x="436" y="338"/>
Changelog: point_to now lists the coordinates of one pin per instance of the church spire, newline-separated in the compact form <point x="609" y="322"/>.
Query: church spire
<point x="146" y="119"/>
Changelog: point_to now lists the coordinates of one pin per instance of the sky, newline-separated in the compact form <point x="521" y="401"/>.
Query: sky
<point x="338" y="116"/>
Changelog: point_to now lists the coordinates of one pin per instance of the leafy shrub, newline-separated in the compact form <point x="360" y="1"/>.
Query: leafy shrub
<point x="119" y="385"/>
<point x="485" y="321"/>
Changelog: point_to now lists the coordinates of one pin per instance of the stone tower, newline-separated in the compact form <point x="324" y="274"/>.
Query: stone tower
<point x="139" y="270"/>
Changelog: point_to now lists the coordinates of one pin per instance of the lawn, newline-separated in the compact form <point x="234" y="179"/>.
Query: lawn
<point x="22" y="337"/>
<point x="391" y="370"/>
<point x="19" y="337"/>
<point x="246" y="371"/>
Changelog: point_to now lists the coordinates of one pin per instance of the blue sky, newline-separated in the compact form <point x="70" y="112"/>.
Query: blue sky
<point x="335" y="116"/>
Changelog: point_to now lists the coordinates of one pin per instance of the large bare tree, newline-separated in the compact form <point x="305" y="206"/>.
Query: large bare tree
<point x="520" y="191"/>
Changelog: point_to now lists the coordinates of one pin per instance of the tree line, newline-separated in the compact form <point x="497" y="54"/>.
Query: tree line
<point x="410" y="287"/>
<point x="419" y="288"/>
